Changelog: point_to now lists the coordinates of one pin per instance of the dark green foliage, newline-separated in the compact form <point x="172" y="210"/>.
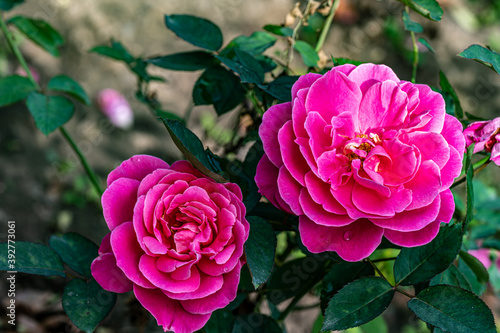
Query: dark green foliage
<point x="358" y="303"/>
<point x="40" y="32"/>
<point x="260" y="249"/>
<point x="14" y="88"/>
<point x="86" y="303"/>
<point x="31" y="258"/>
<point x="195" y="30"/>
<point x="453" y="309"/>
<point x="418" y="264"/>
<point x="49" y="112"/>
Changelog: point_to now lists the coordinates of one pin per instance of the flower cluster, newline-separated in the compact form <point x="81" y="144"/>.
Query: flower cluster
<point x="359" y="154"/>
<point x="486" y="136"/>
<point x="176" y="239"/>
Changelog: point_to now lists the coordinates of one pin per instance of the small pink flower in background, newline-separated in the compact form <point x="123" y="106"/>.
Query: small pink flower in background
<point x="359" y="154"/>
<point x="486" y="136"/>
<point x="116" y="108"/>
<point x="483" y="255"/>
<point x="176" y="239"/>
<point x="21" y="72"/>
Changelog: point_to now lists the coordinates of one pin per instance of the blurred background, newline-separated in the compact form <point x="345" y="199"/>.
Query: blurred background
<point x="43" y="187"/>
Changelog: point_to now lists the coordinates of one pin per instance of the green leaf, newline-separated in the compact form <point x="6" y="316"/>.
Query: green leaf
<point x="184" y="61"/>
<point x="427" y="8"/>
<point x="308" y="53"/>
<point x="40" y="32"/>
<point x="195" y="30"/>
<point x="256" y="323"/>
<point x="476" y="266"/>
<point x="469" y="188"/>
<point x="67" y="85"/>
<point x="14" y="88"/>
<point x="453" y="309"/>
<point x="426" y="43"/>
<point x="86" y="303"/>
<point x="266" y="63"/>
<point x="483" y="55"/>
<point x="49" y="112"/>
<point x="192" y="148"/>
<point x="358" y="303"/>
<point x="281" y="87"/>
<point x="168" y="115"/>
<point x="411" y="25"/>
<point x="9" y="4"/>
<point x="260" y="249"/>
<point x="219" y="87"/>
<point x="453" y="277"/>
<point x="279" y="30"/>
<point x="117" y="51"/>
<point x="477" y="287"/>
<point x="446" y="86"/>
<point x="254" y="44"/>
<point x="31" y="258"/>
<point x="76" y="251"/>
<point x="245" y="65"/>
<point x="341" y="274"/>
<point x="221" y="321"/>
<point x="343" y="61"/>
<point x="418" y="264"/>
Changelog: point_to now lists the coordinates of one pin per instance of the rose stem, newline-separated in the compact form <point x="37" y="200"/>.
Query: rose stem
<point x="326" y="26"/>
<point x="481" y="167"/>
<point x="415" y="52"/>
<point x="65" y="134"/>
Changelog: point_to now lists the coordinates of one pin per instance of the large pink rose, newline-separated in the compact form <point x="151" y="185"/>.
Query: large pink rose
<point x="359" y="154"/>
<point x="176" y="239"/>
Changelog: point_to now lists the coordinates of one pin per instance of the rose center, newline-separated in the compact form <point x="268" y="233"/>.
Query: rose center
<point x="359" y="147"/>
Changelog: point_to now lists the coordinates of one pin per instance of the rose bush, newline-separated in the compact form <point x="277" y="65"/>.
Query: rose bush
<point x="176" y="239"/>
<point x="486" y="136"/>
<point x="359" y="154"/>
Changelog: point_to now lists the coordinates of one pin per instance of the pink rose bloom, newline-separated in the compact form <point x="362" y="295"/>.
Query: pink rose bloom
<point x="486" y="136"/>
<point x="359" y="154"/>
<point x="116" y="108"/>
<point x="176" y="239"/>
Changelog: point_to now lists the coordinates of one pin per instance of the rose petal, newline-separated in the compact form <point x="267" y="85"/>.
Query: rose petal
<point x="266" y="178"/>
<point x="169" y="313"/>
<point x="413" y="238"/>
<point x="118" y="202"/>
<point x="137" y="167"/>
<point x="411" y="220"/>
<point x="353" y="242"/>
<point x="292" y="159"/>
<point x="272" y="121"/>
<point x="333" y="94"/>
<point x="320" y="216"/>
<point x="365" y="75"/>
<point x="128" y="253"/>
<point x="109" y="276"/>
<point x="289" y="190"/>
<point x="225" y="295"/>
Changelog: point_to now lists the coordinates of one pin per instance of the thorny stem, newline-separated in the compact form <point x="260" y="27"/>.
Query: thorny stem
<point x="326" y="26"/>
<point x="83" y="160"/>
<point x="65" y="134"/>
<point x="401" y="291"/>
<point x="294" y="34"/>
<point x="384" y="259"/>
<point x="376" y="269"/>
<point x="464" y="178"/>
<point x="415" y="53"/>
